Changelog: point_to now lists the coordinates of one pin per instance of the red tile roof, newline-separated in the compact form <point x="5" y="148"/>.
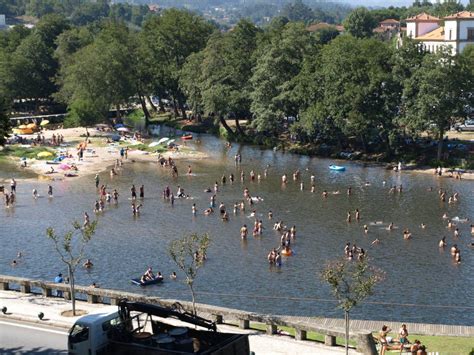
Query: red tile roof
<point x="422" y="17"/>
<point x="461" y="15"/>
<point x="389" y="21"/>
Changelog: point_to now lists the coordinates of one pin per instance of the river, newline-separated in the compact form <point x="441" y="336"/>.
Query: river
<point x="237" y="273"/>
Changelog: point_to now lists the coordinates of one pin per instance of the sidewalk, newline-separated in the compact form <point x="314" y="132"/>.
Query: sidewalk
<point x="25" y="307"/>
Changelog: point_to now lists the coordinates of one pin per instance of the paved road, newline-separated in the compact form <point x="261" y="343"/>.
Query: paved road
<point x="22" y="338"/>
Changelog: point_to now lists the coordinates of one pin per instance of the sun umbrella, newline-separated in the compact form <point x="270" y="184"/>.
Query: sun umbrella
<point x="44" y="154"/>
<point x="153" y="144"/>
<point x="23" y="126"/>
<point x="64" y="167"/>
<point x="123" y="129"/>
<point x="31" y="125"/>
<point x="162" y="140"/>
<point x="44" y="123"/>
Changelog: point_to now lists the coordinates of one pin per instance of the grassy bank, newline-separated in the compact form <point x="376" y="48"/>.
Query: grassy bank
<point x="17" y="151"/>
<point x="444" y="345"/>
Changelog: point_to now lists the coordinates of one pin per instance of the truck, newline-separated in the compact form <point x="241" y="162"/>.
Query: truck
<point x="139" y="328"/>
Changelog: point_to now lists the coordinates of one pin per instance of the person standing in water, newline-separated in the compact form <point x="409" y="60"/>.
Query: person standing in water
<point x="243" y="231"/>
<point x="133" y="190"/>
<point x="50" y="191"/>
<point x="97" y="180"/>
<point x="142" y="192"/>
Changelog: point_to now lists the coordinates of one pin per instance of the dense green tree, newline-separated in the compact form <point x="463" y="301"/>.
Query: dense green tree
<point x="360" y="23"/>
<point x="226" y="72"/>
<point x="437" y="93"/>
<point x="298" y="11"/>
<point x="281" y="61"/>
<point x="4" y="121"/>
<point x="326" y="35"/>
<point x="100" y="75"/>
<point x="31" y="68"/>
<point x="355" y="91"/>
<point x="190" y="81"/>
<point x="171" y="38"/>
<point x="89" y="12"/>
<point x="11" y="39"/>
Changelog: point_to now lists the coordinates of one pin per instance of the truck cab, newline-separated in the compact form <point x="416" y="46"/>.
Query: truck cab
<point x="89" y="334"/>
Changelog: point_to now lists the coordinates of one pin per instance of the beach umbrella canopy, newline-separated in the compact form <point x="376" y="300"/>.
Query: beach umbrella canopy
<point x="44" y="154"/>
<point x="23" y="126"/>
<point x="31" y="125"/>
<point x="64" y="167"/>
<point x="153" y="144"/>
<point x="44" y="123"/>
<point x="123" y="129"/>
<point x="162" y="140"/>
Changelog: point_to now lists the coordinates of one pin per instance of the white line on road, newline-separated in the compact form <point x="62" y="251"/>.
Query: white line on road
<point x="32" y="327"/>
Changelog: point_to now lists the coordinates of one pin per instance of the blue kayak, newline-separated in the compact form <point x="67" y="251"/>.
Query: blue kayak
<point x="336" y="167"/>
<point x="156" y="280"/>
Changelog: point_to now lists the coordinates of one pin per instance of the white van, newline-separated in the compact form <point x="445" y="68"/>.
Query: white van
<point x="89" y="333"/>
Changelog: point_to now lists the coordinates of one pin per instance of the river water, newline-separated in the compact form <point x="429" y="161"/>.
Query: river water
<point x="422" y="283"/>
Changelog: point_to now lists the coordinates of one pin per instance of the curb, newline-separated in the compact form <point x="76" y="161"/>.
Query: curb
<point x="34" y="320"/>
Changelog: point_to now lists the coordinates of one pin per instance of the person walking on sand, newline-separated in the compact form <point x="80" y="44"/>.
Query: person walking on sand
<point x="97" y="180"/>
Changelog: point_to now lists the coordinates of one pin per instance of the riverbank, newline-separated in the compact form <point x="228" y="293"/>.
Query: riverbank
<point x="285" y="144"/>
<point x="98" y="156"/>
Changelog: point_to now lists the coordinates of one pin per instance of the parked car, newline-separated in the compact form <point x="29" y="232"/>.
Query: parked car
<point x="468" y="125"/>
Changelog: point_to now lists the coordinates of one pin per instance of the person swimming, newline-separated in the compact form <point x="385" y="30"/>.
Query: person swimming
<point x="406" y="234"/>
<point x="88" y="264"/>
<point x="442" y="243"/>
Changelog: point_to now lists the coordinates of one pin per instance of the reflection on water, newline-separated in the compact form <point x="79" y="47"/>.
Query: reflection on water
<point x="237" y="273"/>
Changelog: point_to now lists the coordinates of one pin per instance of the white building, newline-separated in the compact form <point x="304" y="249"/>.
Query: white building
<point x="457" y="32"/>
<point x="2" y="21"/>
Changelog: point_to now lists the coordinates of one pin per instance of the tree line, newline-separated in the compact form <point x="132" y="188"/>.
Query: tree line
<point x="314" y="87"/>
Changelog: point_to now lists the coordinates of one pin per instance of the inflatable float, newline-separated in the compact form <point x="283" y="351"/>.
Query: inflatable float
<point x="336" y="167"/>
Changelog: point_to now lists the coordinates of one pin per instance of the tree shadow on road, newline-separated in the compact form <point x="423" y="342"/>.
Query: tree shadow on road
<point x="37" y="350"/>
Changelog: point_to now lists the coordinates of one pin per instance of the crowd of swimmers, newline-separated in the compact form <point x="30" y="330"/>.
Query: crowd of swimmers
<point x="287" y="235"/>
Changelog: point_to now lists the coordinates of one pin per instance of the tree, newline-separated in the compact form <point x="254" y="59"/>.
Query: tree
<point x="278" y="63"/>
<point x="172" y="37"/>
<point x="4" y="121"/>
<point x="360" y="23"/>
<point x="99" y="75"/>
<point x="226" y="69"/>
<point x="70" y="249"/>
<point x="438" y="92"/>
<point x="189" y="253"/>
<point x="350" y="91"/>
<point x="351" y="282"/>
<point x="298" y="12"/>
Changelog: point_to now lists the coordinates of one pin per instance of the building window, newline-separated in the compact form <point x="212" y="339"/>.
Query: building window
<point x="470" y="34"/>
<point x="450" y="33"/>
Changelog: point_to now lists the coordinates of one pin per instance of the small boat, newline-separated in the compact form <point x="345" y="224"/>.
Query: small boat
<point x="156" y="280"/>
<point x="336" y="167"/>
<point x="53" y="162"/>
<point x="187" y="137"/>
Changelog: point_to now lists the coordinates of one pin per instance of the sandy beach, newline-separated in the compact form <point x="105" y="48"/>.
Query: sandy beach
<point x="98" y="156"/>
